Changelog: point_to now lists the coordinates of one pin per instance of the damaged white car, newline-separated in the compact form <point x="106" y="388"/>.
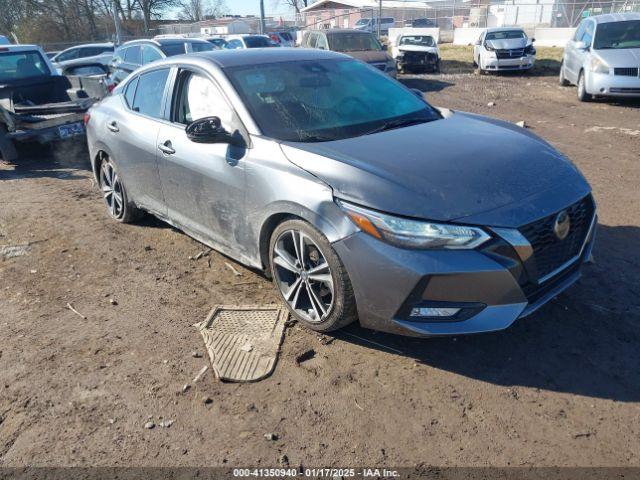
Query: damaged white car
<point x="416" y="53"/>
<point x="501" y="48"/>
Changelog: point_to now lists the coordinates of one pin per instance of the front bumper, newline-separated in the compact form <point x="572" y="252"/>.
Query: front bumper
<point x="611" y="85"/>
<point x="389" y="282"/>
<point x="525" y="62"/>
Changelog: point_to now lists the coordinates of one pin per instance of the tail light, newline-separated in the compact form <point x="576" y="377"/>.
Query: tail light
<point x="275" y="38"/>
<point x="110" y="87"/>
<point x="86" y="118"/>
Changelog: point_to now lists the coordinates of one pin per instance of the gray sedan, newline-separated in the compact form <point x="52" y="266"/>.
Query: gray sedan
<point x="356" y="196"/>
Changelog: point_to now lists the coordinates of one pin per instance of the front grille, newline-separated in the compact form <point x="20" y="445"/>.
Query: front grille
<point x="549" y="252"/>
<point x="419" y="57"/>
<point x="624" y="90"/>
<point x="626" y="72"/>
<point x="510" y="53"/>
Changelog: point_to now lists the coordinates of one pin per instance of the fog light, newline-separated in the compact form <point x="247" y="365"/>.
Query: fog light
<point x="433" y="312"/>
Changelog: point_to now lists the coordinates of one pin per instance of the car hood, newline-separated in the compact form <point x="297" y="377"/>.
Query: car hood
<point x="417" y="48"/>
<point x="369" y="56"/>
<point x="508" y="43"/>
<point x="620" y="57"/>
<point x="462" y="166"/>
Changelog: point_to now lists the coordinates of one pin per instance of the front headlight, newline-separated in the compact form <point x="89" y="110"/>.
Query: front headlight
<point x="407" y="233"/>
<point x="489" y="48"/>
<point x="598" y="66"/>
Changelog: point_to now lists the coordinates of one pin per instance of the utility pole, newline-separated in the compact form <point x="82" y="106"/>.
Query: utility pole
<point x="262" y="26"/>
<point x="379" y="16"/>
<point x="116" y="21"/>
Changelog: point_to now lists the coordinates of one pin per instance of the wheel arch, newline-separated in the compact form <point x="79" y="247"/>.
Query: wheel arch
<point x="332" y="222"/>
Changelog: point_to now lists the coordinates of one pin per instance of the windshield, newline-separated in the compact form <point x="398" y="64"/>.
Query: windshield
<point x="422" y="40"/>
<point x="258" y="42"/>
<point x="20" y="65"/>
<point x="353" y="42"/>
<point x="505" y="35"/>
<point x="323" y="100"/>
<point x="618" y="35"/>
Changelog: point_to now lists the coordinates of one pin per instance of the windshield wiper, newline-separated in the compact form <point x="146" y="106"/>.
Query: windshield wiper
<point x="404" y="122"/>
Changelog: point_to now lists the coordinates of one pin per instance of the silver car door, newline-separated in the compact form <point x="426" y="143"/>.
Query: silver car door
<point x="203" y="183"/>
<point x="134" y="130"/>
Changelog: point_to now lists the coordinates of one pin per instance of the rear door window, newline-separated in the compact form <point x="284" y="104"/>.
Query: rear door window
<point x="150" y="92"/>
<point x="150" y="54"/>
<point x="132" y="55"/>
<point x="68" y="55"/>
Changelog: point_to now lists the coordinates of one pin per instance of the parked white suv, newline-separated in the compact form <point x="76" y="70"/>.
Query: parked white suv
<point x="603" y="58"/>
<point x="503" y="48"/>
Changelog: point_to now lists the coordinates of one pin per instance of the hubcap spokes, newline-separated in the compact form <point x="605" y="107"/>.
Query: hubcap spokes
<point x="111" y="189"/>
<point x="303" y="275"/>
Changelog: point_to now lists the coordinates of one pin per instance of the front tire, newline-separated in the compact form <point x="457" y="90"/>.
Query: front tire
<point x="114" y="194"/>
<point x="583" y="96"/>
<point x="310" y="277"/>
<point x="561" y="79"/>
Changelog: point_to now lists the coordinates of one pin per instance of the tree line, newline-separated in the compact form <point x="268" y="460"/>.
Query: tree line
<point x="52" y="21"/>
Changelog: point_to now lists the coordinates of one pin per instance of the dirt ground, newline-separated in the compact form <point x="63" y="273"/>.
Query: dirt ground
<point x="559" y="388"/>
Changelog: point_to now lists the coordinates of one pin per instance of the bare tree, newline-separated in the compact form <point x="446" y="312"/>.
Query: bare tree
<point x="154" y="9"/>
<point x="196" y="10"/>
<point x="295" y="4"/>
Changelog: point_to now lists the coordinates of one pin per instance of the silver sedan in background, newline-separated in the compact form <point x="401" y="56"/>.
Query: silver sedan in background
<point x="359" y="198"/>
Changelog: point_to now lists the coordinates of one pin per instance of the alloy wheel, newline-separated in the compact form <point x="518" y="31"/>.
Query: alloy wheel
<point x="303" y="275"/>
<point x="111" y="189"/>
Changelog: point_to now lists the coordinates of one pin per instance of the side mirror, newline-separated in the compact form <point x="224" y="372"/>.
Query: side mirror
<point x="209" y="130"/>
<point x="580" y="45"/>
<point x="477" y="42"/>
<point x="533" y="40"/>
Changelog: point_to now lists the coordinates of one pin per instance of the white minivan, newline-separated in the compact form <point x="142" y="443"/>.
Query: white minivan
<point x="603" y="57"/>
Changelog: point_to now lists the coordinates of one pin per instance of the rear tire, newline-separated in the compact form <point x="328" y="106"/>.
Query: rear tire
<point x="310" y="277"/>
<point x="119" y="207"/>
<point x="583" y="96"/>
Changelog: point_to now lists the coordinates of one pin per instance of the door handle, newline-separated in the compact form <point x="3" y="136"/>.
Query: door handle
<point x="166" y="148"/>
<point x="113" y="126"/>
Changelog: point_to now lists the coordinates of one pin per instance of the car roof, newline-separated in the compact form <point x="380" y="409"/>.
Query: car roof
<point x="504" y="29"/>
<point x="103" y="44"/>
<point x="338" y="31"/>
<point x="162" y="41"/>
<point x="253" y="56"/>
<point x="19" y="48"/>
<point x="615" y="17"/>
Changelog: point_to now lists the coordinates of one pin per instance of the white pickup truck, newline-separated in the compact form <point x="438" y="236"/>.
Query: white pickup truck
<point x="36" y="104"/>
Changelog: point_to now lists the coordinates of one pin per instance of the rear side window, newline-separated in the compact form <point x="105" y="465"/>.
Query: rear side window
<point x="150" y="54"/>
<point x="172" y="49"/>
<point x="130" y="92"/>
<point x="132" y="55"/>
<point x="201" y="47"/>
<point x="91" y="51"/>
<point x="148" y="96"/>
<point x="68" y="55"/>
